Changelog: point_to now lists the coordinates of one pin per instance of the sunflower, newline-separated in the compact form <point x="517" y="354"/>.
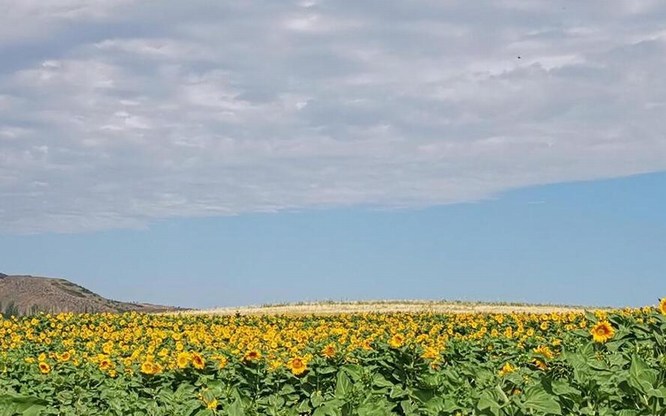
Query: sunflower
<point x="544" y="351"/>
<point x="65" y="356"/>
<point x="147" y="367"/>
<point x="602" y="331"/>
<point x="198" y="361"/>
<point x="252" y="356"/>
<point x="430" y="353"/>
<point x="328" y="351"/>
<point x="212" y="405"/>
<point x="274" y="364"/>
<point x="221" y="360"/>
<point x="297" y="366"/>
<point x="396" y="341"/>
<point x="44" y="368"/>
<point x="662" y="305"/>
<point x="507" y="369"/>
<point x="157" y="368"/>
<point x="508" y="332"/>
<point x="182" y="359"/>
<point x="540" y="364"/>
<point x="150" y="368"/>
<point x="104" y="362"/>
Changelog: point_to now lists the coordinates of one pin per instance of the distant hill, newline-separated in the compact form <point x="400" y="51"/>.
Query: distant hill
<point x="20" y="295"/>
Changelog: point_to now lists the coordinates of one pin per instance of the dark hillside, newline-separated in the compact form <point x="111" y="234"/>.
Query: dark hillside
<point x="21" y="295"/>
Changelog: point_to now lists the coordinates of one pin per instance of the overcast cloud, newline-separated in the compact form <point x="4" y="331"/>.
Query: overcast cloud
<point x="117" y="113"/>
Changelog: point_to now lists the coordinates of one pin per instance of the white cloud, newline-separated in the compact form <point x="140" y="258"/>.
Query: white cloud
<point x="36" y="18"/>
<point x="127" y="113"/>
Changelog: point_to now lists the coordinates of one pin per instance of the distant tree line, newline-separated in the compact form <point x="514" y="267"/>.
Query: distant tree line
<point x="11" y="309"/>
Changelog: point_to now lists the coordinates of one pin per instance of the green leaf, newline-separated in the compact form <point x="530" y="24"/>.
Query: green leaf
<point x="371" y="409"/>
<point x="421" y="395"/>
<point x="538" y="400"/>
<point x="25" y="405"/>
<point x="354" y="371"/>
<point x="409" y="408"/>
<point x="325" y="410"/>
<point x="655" y="393"/>
<point x="637" y="366"/>
<point x="435" y="405"/>
<point x="628" y="413"/>
<point x="379" y="380"/>
<point x="343" y="385"/>
<point x="591" y="317"/>
<point x="397" y="391"/>
<point x="316" y="399"/>
<point x="641" y="376"/>
<point x="235" y="409"/>
<point x="562" y="388"/>
<point x="488" y="404"/>
<point x="304" y="407"/>
<point x="326" y="370"/>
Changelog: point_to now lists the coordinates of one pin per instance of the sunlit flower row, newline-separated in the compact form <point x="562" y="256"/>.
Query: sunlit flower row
<point x="153" y="344"/>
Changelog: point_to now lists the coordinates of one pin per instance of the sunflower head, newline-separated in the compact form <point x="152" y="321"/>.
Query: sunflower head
<point x="297" y="366"/>
<point x="328" y="351"/>
<point x="183" y="359"/>
<point x="105" y="364"/>
<point x="157" y="368"/>
<point x="221" y="360"/>
<point x="396" y="341"/>
<point x="430" y="353"/>
<point x="44" y="368"/>
<point x="150" y="368"/>
<point x="251" y="356"/>
<point x="662" y="305"/>
<point x="540" y="364"/>
<point x="544" y="351"/>
<point x="198" y="361"/>
<point x="602" y="331"/>
<point x="274" y="364"/>
<point x="506" y="369"/>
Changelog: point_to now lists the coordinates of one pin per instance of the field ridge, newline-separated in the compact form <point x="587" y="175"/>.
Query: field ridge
<point x="393" y="306"/>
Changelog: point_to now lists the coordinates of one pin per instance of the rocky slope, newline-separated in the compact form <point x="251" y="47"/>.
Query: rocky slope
<point x="29" y="294"/>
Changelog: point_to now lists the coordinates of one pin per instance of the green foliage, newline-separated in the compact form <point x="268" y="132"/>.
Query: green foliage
<point x="10" y="310"/>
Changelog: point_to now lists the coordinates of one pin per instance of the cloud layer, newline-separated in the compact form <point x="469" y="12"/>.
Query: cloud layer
<point x="117" y="113"/>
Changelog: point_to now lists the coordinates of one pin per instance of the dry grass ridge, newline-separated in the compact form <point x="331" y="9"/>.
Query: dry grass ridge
<point x="390" y="306"/>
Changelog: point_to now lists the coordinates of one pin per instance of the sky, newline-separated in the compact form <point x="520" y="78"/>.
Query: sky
<point x="213" y="153"/>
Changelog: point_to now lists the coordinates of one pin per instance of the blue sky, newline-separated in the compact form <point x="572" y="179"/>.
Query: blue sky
<point x="214" y="153"/>
<point x="592" y="243"/>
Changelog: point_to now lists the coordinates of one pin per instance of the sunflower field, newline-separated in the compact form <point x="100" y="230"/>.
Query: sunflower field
<point x="595" y="363"/>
